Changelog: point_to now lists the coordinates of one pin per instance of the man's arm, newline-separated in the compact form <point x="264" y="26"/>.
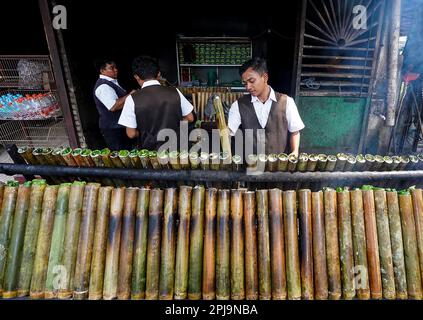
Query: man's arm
<point x="120" y="102"/>
<point x="189" y="117"/>
<point x="132" y="133"/>
<point x="295" y="142"/>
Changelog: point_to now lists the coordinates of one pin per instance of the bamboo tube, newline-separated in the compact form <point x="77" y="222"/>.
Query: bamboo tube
<point x="223" y="128"/>
<point x="12" y="260"/>
<point x="57" y="241"/>
<point x="86" y="157"/>
<point x="370" y="162"/>
<point x="39" y="272"/>
<point x="124" y="157"/>
<point x="184" y="160"/>
<point x="341" y="162"/>
<point x="414" y="282"/>
<point x="252" y="161"/>
<point x="372" y="243"/>
<point x="174" y="160"/>
<point x="135" y="160"/>
<point x="68" y="261"/>
<point x="396" y="161"/>
<point x="291" y="245"/>
<point x="332" y="245"/>
<point x="117" y="162"/>
<point x="225" y="161"/>
<point x="182" y="244"/>
<point x="378" y="163"/>
<point x="167" y="259"/>
<point x="57" y="154"/>
<point x="236" y="163"/>
<point x="85" y="243"/>
<point x="140" y="246"/>
<point x="272" y="163"/>
<point x="196" y="244"/>
<point x="30" y="238"/>
<point x="209" y="259"/>
<point x="321" y="163"/>
<point x="204" y="158"/>
<point x="26" y="154"/>
<point x="360" y="163"/>
<point x="331" y="163"/>
<point x="163" y="158"/>
<point x="349" y="165"/>
<point x="319" y="246"/>
<point x="143" y="156"/>
<point x="194" y="160"/>
<point x="110" y="281"/>
<point x="359" y="244"/>
<point x="417" y="196"/>
<point x="384" y="239"/>
<point x="312" y="163"/>
<point x="95" y="156"/>
<point x="237" y="247"/>
<point x="302" y="162"/>
<point x="282" y="162"/>
<point x="214" y="161"/>
<point x="292" y="163"/>
<point x="76" y="154"/>
<point x="67" y="156"/>
<point x="307" y="281"/>
<point x="223" y="247"/>
<point x="38" y="154"/>
<point x="127" y="244"/>
<point x="251" y="272"/>
<point x="277" y="247"/>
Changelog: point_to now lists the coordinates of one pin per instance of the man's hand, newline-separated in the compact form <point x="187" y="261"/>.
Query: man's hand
<point x="294" y="153"/>
<point x="295" y="143"/>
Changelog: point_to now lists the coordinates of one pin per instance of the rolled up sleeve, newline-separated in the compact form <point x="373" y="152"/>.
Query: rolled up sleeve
<point x="295" y="123"/>
<point x="107" y="95"/>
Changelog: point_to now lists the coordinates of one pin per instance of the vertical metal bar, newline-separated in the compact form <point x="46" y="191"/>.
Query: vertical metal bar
<point x="300" y="50"/>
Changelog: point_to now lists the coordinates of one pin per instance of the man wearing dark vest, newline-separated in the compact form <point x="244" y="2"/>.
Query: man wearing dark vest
<point x="271" y="114"/>
<point x="109" y="98"/>
<point x="154" y="107"/>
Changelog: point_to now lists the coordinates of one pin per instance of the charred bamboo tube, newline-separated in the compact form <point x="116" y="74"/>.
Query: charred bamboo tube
<point x="117" y="162"/>
<point x="340" y="162"/>
<point x="346" y="244"/>
<point x="209" y="260"/>
<point x="194" y="160"/>
<point x="56" y="153"/>
<point x="153" y="244"/>
<point x="110" y="281"/>
<point x="76" y="154"/>
<point x="359" y="244"/>
<point x="251" y="271"/>
<point x="38" y="154"/>
<point x="397" y="244"/>
<point x="184" y="160"/>
<point x="413" y="164"/>
<point x="124" y="157"/>
<point x="30" y="238"/>
<point x="237" y="247"/>
<point x="331" y="163"/>
<point x="182" y="244"/>
<point x="9" y="206"/>
<point x="163" y="158"/>
<point x="372" y="243"/>
<point x="278" y="269"/>
<point x="291" y="245"/>
<point x="332" y="245"/>
<point x="127" y="244"/>
<point x="378" y="163"/>
<point x="360" y="164"/>
<point x="396" y="162"/>
<point x="414" y="283"/>
<point x="135" y="160"/>
<point x="143" y="156"/>
<point x="98" y="162"/>
<point x="67" y="156"/>
<point x="39" y="272"/>
<point x="292" y="163"/>
<point x="225" y="161"/>
<point x="73" y="223"/>
<point x="418" y="220"/>
<point x="272" y="163"/>
<point x="214" y="161"/>
<point x="322" y="162"/>
<point x="302" y="162"/>
<point x="204" y="158"/>
<point x="370" y="162"/>
<point x="387" y="163"/>
<point x="152" y="157"/>
<point x="307" y="281"/>
<point x="384" y="239"/>
<point x="85" y="243"/>
<point x="319" y="246"/>
<point x="100" y="243"/>
<point x="174" y="160"/>
<point x="86" y="157"/>
<point x="282" y="162"/>
<point x="47" y="153"/>
<point x="222" y="247"/>
<point x="167" y="260"/>
<point x="349" y="165"/>
<point x="196" y="244"/>
<point x="312" y="163"/>
<point x="404" y="161"/>
<point x="26" y="154"/>
<point x="140" y="246"/>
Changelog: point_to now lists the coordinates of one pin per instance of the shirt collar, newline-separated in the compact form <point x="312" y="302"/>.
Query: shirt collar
<point x="108" y="78"/>
<point x="151" y="83"/>
<point x="272" y="96"/>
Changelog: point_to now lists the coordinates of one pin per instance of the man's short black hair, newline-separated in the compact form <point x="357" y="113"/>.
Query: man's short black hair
<point x="145" y="67"/>
<point x="100" y="64"/>
<point x="257" y="64"/>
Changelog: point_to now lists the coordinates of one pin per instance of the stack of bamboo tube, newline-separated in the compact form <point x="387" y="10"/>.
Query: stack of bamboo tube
<point x="87" y="241"/>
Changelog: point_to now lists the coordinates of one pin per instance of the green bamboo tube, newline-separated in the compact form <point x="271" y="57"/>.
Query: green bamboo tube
<point x="272" y="163"/>
<point x="291" y="245"/>
<point x="236" y="163"/>
<point x="153" y="244"/>
<point x="124" y="157"/>
<point x="81" y="282"/>
<point x="332" y="245"/>
<point x="86" y="157"/>
<point x="95" y="156"/>
<point x="57" y="240"/>
<point x="13" y="202"/>
<point x="360" y="163"/>
<point x="153" y="159"/>
<point x="174" y="160"/>
<point x="26" y="154"/>
<point x="414" y="283"/>
<point x="135" y="160"/>
<point x="223" y="246"/>
<point x="194" y="160"/>
<point x="359" y="244"/>
<point x="76" y="154"/>
<point x="251" y="268"/>
<point x="196" y="244"/>
<point x="127" y="244"/>
<point x="167" y="259"/>
<point x="331" y="163"/>
<point x="38" y="154"/>
<point x="108" y="163"/>
<point x="68" y="261"/>
<point x="372" y="243"/>
<point x="397" y="244"/>
<point x="184" y="160"/>
<point x="204" y="159"/>
<point x="163" y="158"/>
<point x="12" y="260"/>
<point x="57" y="154"/>
<point x="292" y="163"/>
<point x="67" y="156"/>
<point x="237" y="247"/>
<point x="30" y="238"/>
<point x="100" y="243"/>
<point x="384" y="239"/>
<point x="278" y="269"/>
<point x="349" y="165"/>
<point x="117" y="162"/>
<point x="282" y="162"/>
<point x="140" y="246"/>
<point x="302" y="162"/>
<point x="418" y="220"/>
<point x="319" y="246"/>
<point x="111" y="268"/>
<point x="312" y="162"/>
<point x="39" y="272"/>
<point x="209" y="260"/>
<point x="182" y="244"/>
<point x="322" y="162"/>
<point x="225" y="161"/>
<point x="346" y="244"/>
<point x="143" y="156"/>
<point x="307" y="281"/>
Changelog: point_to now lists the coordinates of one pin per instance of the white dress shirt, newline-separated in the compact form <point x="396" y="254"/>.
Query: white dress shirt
<point x="106" y="94"/>
<point x="128" y="118"/>
<point x="263" y="110"/>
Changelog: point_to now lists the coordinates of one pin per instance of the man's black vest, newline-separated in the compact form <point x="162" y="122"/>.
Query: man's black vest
<point x="108" y="119"/>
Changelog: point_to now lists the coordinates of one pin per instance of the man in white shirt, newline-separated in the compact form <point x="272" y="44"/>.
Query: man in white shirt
<point x="153" y="107"/>
<point x="265" y="111"/>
